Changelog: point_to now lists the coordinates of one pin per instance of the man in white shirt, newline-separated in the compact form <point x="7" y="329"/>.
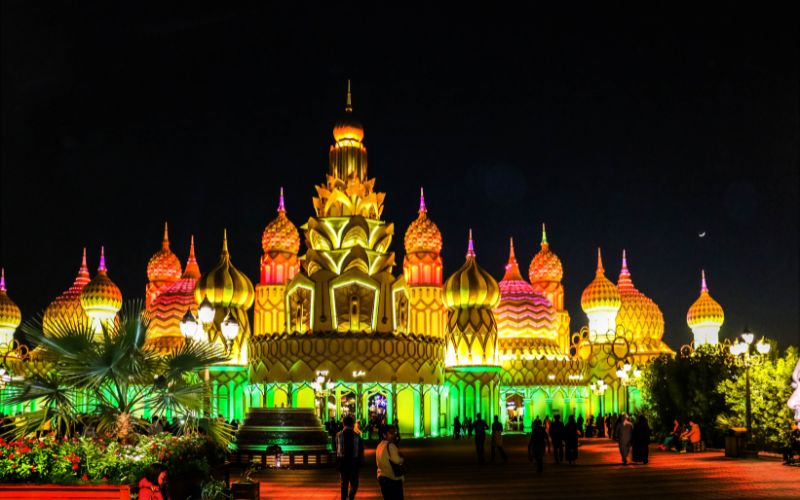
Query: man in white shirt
<point x="391" y="482"/>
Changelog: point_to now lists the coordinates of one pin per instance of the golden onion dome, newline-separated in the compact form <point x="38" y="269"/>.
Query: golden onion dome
<point x="66" y="308"/>
<point x="281" y="235"/>
<point x="423" y="234"/>
<point x="101" y="298"/>
<point x="601" y="293"/>
<point x="545" y="266"/>
<point x="705" y="309"/>
<point x="471" y="286"/>
<point x="347" y="127"/>
<point x="638" y="314"/>
<point x="224" y="285"/>
<point x="164" y="265"/>
<point x="522" y="312"/>
<point x="10" y="315"/>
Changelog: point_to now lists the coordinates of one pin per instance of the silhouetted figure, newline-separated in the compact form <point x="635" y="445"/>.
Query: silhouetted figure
<point x="537" y="445"/>
<point x="601" y="426"/>
<point x="625" y="435"/>
<point x="557" y="439"/>
<point x="579" y="421"/>
<point x="349" y="457"/>
<point x="457" y="428"/>
<point x="571" y="439"/>
<point x="480" y="427"/>
<point x="641" y="440"/>
<point x="497" y="439"/>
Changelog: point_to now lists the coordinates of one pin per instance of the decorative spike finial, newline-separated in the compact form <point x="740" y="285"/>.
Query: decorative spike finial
<point x="349" y="107"/>
<point x="470" y="246"/>
<point x="624" y="269"/>
<point x="511" y="255"/>
<point x="191" y="249"/>
<point x="281" y="204"/>
<point x="165" y="241"/>
<point x="600" y="270"/>
<point x="544" y="234"/>
<point x="225" y="241"/>
<point x="192" y="270"/>
<point x="102" y="267"/>
<point x="703" y="285"/>
<point x="422" y="208"/>
<point x="84" y="267"/>
<point x="2" y="280"/>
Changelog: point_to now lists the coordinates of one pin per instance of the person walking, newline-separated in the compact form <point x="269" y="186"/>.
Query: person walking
<point x="601" y="426"/>
<point x="579" y="421"/>
<point x="537" y="445"/>
<point x="625" y="435"/>
<point x="557" y="439"/>
<point x="349" y="457"/>
<point x="571" y="440"/>
<point x="497" y="439"/>
<point x="391" y="465"/>
<point x="480" y="427"/>
<point x="456" y="428"/>
<point x="641" y="440"/>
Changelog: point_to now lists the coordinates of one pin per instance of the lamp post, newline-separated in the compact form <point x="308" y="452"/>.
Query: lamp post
<point x="745" y="356"/>
<point x="628" y="375"/>
<point x="599" y="387"/>
<point x="322" y="385"/>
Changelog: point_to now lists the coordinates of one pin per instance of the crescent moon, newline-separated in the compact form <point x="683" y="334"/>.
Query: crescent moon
<point x="702" y="235"/>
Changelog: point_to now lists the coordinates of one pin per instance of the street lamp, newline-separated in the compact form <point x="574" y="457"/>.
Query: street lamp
<point x="190" y="328"/>
<point x="322" y="385"/>
<point x="745" y="357"/>
<point x="599" y="387"/>
<point x="206" y="311"/>
<point x="230" y="330"/>
<point x="628" y="375"/>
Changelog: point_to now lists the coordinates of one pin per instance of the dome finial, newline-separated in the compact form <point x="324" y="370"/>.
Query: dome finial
<point x="102" y="267"/>
<point x="544" y="235"/>
<point x="600" y="270"/>
<point x="225" y="241"/>
<point x="703" y="285"/>
<point x="165" y="241"/>
<point x="624" y="270"/>
<point x="511" y="255"/>
<point x="470" y="246"/>
<point x="2" y="280"/>
<point x="191" y="249"/>
<point x="422" y="208"/>
<point x="349" y="107"/>
<point x="192" y="270"/>
<point x="281" y="205"/>
<point x="84" y="267"/>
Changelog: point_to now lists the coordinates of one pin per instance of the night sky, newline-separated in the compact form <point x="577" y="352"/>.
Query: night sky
<point x="619" y="129"/>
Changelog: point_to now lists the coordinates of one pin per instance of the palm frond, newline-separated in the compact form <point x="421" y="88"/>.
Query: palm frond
<point x="191" y="356"/>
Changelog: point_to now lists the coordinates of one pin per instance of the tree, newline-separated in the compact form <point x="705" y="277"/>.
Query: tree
<point x="770" y="388"/>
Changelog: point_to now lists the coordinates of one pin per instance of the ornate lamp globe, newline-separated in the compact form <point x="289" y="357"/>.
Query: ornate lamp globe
<point x="763" y="346"/>
<point x="206" y="311"/>
<point x="230" y="328"/>
<point x="189" y="325"/>
<point x="748" y="336"/>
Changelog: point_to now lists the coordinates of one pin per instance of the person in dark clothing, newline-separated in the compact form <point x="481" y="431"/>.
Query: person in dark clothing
<point x="571" y="439"/>
<point x="457" y="428"/>
<point x="537" y="445"/>
<point x="641" y="440"/>
<point x="349" y="457"/>
<point x="792" y="447"/>
<point x="579" y="421"/>
<point x="497" y="439"/>
<point x="557" y="438"/>
<point x="480" y="427"/>
<point x="601" y="426"/>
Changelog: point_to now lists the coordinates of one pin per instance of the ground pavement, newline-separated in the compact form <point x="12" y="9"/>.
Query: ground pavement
<point x="444" y="468"/>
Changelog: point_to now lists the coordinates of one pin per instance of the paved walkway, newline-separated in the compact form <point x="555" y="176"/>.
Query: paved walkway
<point x="448" y="469"/>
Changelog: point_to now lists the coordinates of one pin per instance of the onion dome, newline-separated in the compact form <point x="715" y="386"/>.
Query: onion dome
<point x="171" y="305"/>
<point x="638" y="314"/>
<point x="164" y="265"/>
<point x="705" y="311"/>
<point x="471" y="286"/>
<point x="545" y="266"/>
<point x="66" y="308"/>
<point x="601" y="294"/>
<point x="522" y="312"/>
<point x="347" y="127"/>
<point x="224" y="285"/>
<point x="423" y="235"/>
<point x="101" y="298"/>
<point x="10" y="315"/>
<point x="281" y="235"/>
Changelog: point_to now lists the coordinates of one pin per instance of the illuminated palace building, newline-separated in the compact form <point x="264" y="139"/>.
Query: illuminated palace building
<point x="336" y="328"/>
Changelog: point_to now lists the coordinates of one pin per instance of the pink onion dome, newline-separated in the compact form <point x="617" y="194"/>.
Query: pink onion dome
<point x="423" y="234"/>
<point x="66" y="308"/>
<point x="10" y="315"/>
<point x="171" y="305"/>
<point x="601" y="293"/>
<point x="545" y="266"/>
<point x="471" y="286"/>
<point x="705" y="310"/>
<point x="101" y="298"/>
<point x="164" y="265"/>
<point x="638" y="315"/>
<point x="281" y="234"/>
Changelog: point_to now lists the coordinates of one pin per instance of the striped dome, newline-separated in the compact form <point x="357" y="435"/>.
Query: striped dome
<point x="601" y="293"/>
<point x="281" y="235"/>
<point x="471" y="286"/>
<point x="10" y="315"/>
<point x="171" y="305"/>
<point x="638" y="314"/>
<point x="522" y="312"/>
<point x="423" y="235"/>
<point x="164" y="265"/>
<point x="705" y="310"/>
<point x="545" y="266"/>
<point x="66" y="308"/>
<point x="101" y="298"/>
<point x="224" y="285"/>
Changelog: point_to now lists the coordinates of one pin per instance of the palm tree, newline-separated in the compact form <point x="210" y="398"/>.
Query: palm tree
<point x="118" y="375"/>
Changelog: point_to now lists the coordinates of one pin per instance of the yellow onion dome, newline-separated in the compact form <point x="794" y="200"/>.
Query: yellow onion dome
<point x="281" y="235"/>
<point x="522" y="312"/>
<point x="601" y="293"/>
<point x="471" y="286"/>
<point x="347" y="127"/>
<point x="705" y="310"/>
<point x="66" y="308"/>
<point x="171" y="305"/>
<point x="545" y="266"/>
<point x="164" y="265"/>
<point x="10" y="315"/>
<point x="101" y="298"/>
<point x="224" y="285"/>
<point x="638" y="315"/>
<point x="423" y="235"/>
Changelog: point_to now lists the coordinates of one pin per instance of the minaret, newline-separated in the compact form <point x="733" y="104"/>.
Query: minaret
<point x="705" y="316"/>
<point x="279" y="264"/>
<point x="348" y="156"/>
<point x="545" y="274"/>
<point x="422" y="268"/>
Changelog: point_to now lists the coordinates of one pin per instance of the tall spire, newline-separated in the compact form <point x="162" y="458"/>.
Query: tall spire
<point x="349" y="107"/>
<point x="422" y="208"/>
<point x="624" y="270"/>
<point x="192" y="270"/>
<point x="165" y="241"/>
<point x="470" y="246"/>
<point x="600" y="270"/>
<point x="624" y="283"/>
<point x="225" y="241"/>
<point x="2" y="280"/>
<point x="703" y="285"/>
<point x="102" y="267"/>
<point x="512" y="267"/>
<point x="544" y="235"/>
<point x="281" y="205"/>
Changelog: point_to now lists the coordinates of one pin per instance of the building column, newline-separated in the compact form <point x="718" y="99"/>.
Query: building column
<point x="434" y="411"/>
<point x="419" y="406"/>
<point x="549" y="405"/>
<point x="527" y="411"/>
<point x="567" y="408"/>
